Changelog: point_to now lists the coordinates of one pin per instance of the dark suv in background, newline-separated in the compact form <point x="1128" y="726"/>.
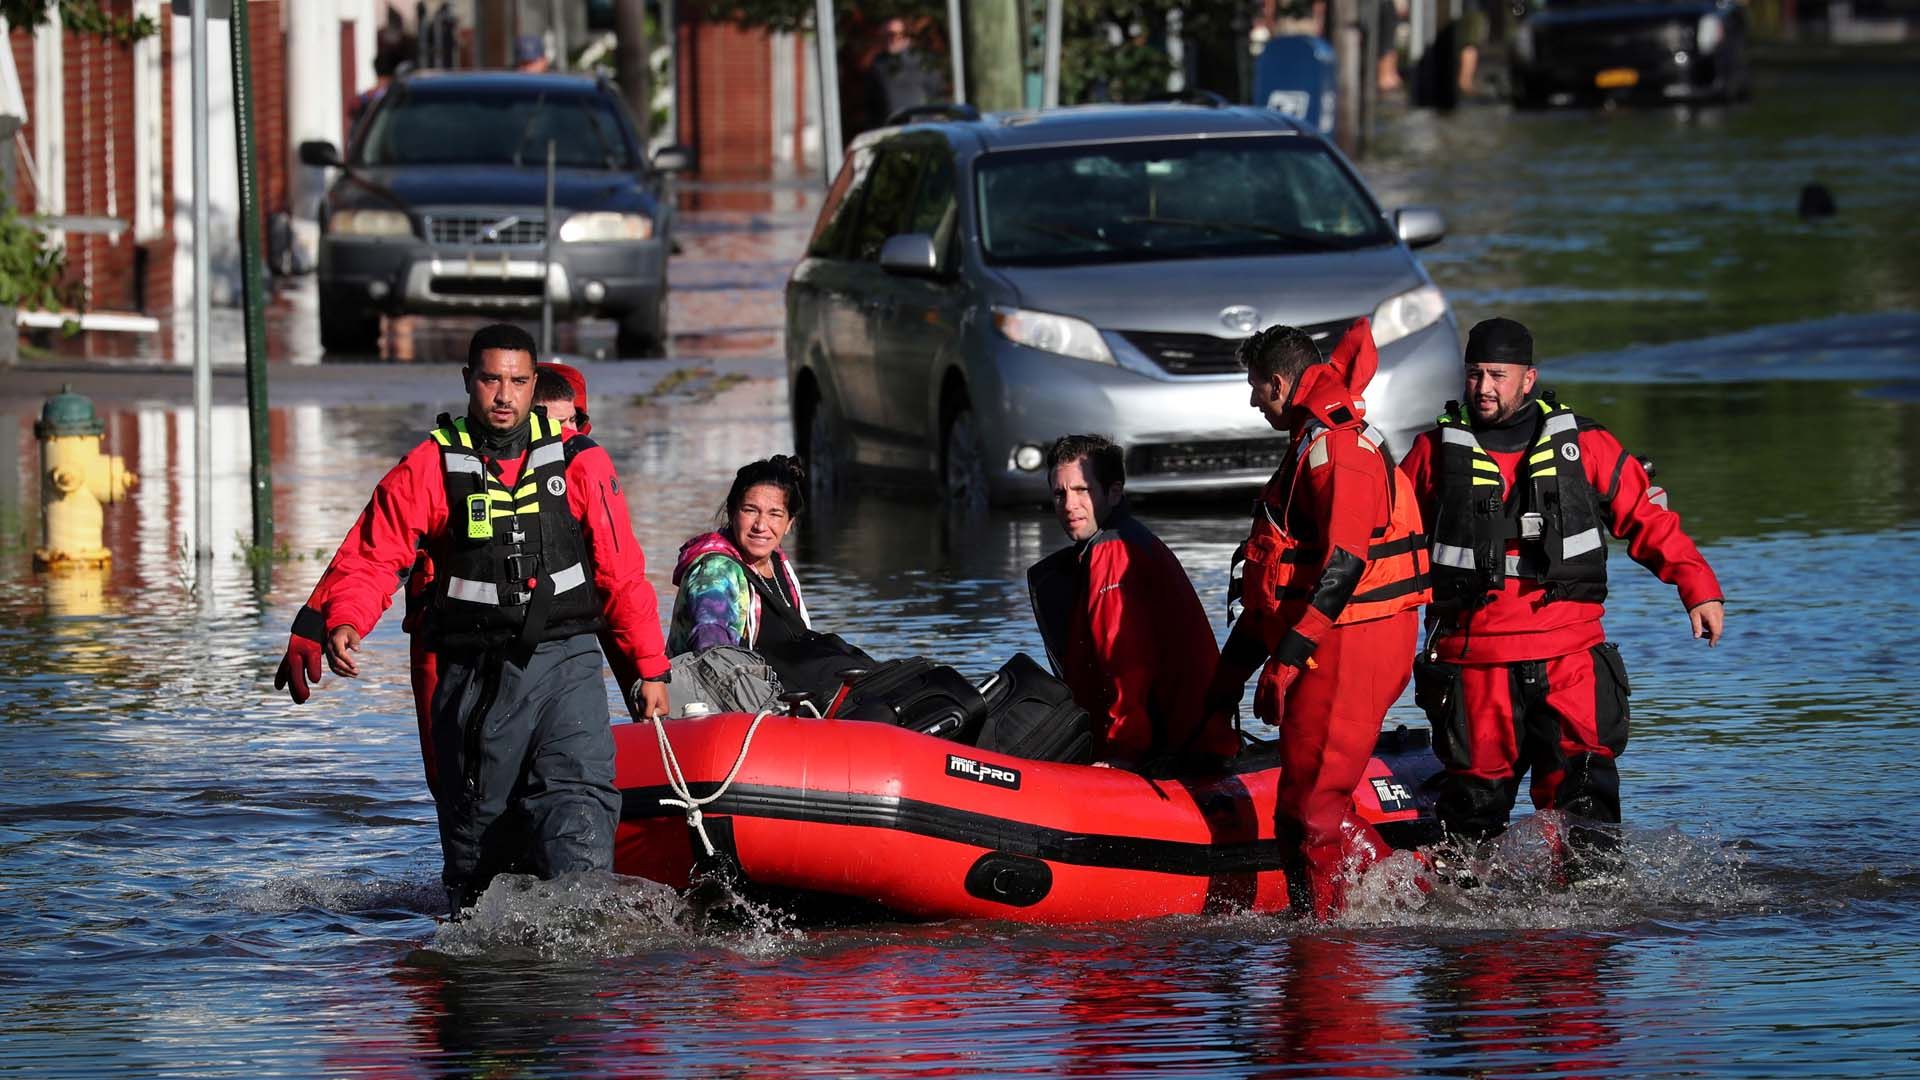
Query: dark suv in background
<point x="441" y="208"/>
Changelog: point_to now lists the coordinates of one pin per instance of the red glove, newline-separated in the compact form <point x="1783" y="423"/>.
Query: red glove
<point x="1270" y="694"/>
<point x="301" y="666"/>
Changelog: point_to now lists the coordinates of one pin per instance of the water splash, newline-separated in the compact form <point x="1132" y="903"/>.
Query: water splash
<point x="342" y="893"/>
<point x="1519" y="881"/>
<point x="591" y="915"/>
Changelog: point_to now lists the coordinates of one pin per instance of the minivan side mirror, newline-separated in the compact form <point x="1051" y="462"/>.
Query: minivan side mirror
<point x="1419" y="226"/>
<point x="910" y="255"/>
<point x="321" y="154"/>
<point x="672" y="159"/>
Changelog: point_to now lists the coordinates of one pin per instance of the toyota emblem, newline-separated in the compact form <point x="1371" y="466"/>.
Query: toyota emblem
<point x="1240" y="318"/>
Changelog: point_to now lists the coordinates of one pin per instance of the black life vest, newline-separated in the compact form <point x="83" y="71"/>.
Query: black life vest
<point x="512" y="567"/>
<point x="1475" y="518"/>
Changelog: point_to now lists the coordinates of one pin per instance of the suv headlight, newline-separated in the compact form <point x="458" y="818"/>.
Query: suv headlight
<point x="604" y="225"/>
<point x="1416" y="309"/>
<point x="1713" y="31"/>
<point x="1052" y="333"/>
<point x="369" y="223"/>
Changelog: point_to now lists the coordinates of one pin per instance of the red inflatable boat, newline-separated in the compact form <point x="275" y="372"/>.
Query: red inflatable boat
<point x="927" y="828"/>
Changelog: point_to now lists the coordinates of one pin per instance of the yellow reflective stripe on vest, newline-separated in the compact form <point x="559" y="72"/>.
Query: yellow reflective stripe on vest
<point x="527" y="489"/>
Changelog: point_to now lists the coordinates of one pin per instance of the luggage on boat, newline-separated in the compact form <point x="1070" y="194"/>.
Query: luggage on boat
<point x="725" y="678"/>
<point x="917" y="694"/>
<point x="1031" y="714"/>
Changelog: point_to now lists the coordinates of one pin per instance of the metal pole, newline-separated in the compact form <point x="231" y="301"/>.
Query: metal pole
<point x="1050" y="64"/>
<point x="824" y="40"/>
<point x="957" y="49"/>
<point x="557" y="19"/>
<point x="669" y="30"/>
<point x="252" y="285"/>
<point x="202" y="310"/>
<point x="1348" y="130"/>
<point x="546" y="268"/>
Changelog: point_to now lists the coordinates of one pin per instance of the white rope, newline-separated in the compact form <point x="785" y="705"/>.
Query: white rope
<point x="677" y="778"/>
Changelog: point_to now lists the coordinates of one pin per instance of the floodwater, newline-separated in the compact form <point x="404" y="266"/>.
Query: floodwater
<point x="197" y="879"/>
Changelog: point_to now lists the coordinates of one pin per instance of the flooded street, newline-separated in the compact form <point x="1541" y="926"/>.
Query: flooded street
<point x="198" y="879"/>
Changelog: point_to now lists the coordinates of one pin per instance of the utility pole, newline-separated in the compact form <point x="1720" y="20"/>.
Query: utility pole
<point x="630" y="63"/>
<point x="1349" y="57"/>
<point x="202" y="310"/>
<point x="994" y="71"/>
<point x="252" y="285"/>
<point x="1050" y="63"/>
<point x="827" y="42"/>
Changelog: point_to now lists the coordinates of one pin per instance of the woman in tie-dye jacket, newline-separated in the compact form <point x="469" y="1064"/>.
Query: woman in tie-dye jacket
<point x="736" y="587"/>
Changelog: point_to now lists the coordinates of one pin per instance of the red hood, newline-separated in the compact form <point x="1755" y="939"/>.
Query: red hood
<point x="579" y="383"/>
<point x="1330" y="392"/>
<point x="700" y="547"/>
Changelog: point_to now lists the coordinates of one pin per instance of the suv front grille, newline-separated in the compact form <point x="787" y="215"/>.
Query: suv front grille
<point x="1204" y="354"/>
<point x="486" y="229"/>
<point x="1223" y="455"/>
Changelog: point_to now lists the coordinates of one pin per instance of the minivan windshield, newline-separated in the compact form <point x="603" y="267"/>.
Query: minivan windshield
<point x="493" y="127"/>
<point x="1170" y="199"/>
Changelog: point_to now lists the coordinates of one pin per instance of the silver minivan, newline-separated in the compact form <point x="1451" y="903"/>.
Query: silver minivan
<point x="977" y="285"/>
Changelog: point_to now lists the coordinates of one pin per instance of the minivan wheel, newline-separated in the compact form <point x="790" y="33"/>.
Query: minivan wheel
<point x="963" y="466"/>
<point x="819" y="429"/>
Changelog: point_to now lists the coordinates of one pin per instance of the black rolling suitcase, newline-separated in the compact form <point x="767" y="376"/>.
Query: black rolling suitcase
<point x="1031" y="714"/>
<point x="917" y="694"/>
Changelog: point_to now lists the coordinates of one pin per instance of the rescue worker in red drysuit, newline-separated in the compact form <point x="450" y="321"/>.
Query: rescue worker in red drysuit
<point x="1518" y="673"/>
<point x="532" y="553"/>
<point x="1330" y="580"/>
<point x="1122" y="625"/>
<point x="562" y="390"/>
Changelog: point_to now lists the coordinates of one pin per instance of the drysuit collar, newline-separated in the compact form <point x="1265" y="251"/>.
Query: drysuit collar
<point x="1513" y="433"/>
<point x="1117" y="514"/>
<point x="497" y="444"/>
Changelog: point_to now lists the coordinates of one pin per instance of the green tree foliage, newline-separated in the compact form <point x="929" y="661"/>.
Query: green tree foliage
<point x="79" y="16"/>
<point x="33" y="273"/>
<point x="1092" y="67"/>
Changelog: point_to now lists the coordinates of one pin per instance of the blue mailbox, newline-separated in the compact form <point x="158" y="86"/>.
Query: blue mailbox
<point x="1295" y="75"/>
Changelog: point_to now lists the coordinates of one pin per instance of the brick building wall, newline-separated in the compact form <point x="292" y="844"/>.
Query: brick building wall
<point x="726" y="87"/>
<point x="127" y="272"/>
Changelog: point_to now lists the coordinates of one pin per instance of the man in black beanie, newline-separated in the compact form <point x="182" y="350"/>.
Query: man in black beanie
<point x="1519" y="494"/>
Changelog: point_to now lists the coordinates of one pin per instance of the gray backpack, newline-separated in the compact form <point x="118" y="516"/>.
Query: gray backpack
<point x="725" y="678"/>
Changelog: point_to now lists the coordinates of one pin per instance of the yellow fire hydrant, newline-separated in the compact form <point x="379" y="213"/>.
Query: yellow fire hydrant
<point x="76" y="480"/>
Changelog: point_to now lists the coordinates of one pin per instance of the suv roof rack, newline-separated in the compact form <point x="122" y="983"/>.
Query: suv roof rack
<point x="938" y="110"/>
<point x="1193" y="96"/>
